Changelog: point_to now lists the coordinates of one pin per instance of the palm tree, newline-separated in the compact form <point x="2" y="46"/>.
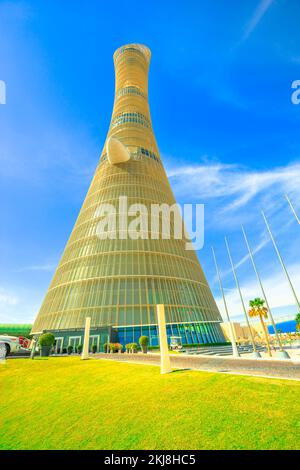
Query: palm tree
<point x="259" y="310"/>
<point x="297" y="321"/>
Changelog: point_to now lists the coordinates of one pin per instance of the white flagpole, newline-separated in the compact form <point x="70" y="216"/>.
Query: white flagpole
<point x="285" y="354"/>
<point x="234" y="347"/>
<point x="292" y="208"/>
<point x="256" y="353"/>
<point x="281" y="261"/>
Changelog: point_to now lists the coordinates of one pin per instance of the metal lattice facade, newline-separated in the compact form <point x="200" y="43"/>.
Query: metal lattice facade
<point x="118" y="282"/>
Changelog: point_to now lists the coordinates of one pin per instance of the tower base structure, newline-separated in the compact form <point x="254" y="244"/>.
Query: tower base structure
<point x="191" y="334"/>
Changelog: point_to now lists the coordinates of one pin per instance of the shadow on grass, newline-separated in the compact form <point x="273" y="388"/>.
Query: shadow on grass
<point x="38" y="358"/>
<point x="180" y="370"/>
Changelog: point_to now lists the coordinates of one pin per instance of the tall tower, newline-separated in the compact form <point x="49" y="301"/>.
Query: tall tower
<point x="118" y="282"/>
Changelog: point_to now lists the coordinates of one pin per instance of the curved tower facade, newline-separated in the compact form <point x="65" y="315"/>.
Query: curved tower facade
<point x="117" y="281"/>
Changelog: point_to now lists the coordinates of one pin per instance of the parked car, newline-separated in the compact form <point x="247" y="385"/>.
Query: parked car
<point x="24" y="342"/>
<point x="12" y="343"/>
<point x="175" y="343"/>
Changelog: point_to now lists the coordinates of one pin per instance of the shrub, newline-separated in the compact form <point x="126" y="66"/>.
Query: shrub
<point x="108" y="347"/>
<point x="47" y="339"/>
<point x="94" y="348"/>
<point x="131" y="346"/>
<point x="79" y="348"/>
<point x="144" y="341"/>
<point x="70" y="349"/>
<point x="118" y="346"/>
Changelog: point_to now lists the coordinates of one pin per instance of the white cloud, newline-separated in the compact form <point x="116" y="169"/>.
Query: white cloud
<point x="19" y="304"/>
<point x="7" y="298"/>
<point x="243" y="260"/>
<point x="257" y="16"/>
<point x="233" y="195"/>
<point x="49" y="267"/>
<point x="234" y="184"/>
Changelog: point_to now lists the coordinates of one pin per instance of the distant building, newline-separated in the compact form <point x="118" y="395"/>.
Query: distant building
<point x="242" y="331"/>
<point x="15" y="329"/>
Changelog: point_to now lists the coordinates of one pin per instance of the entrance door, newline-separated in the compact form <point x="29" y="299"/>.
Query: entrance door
<point x="94" y="339"/>
<point x="58" y="345"/>
<point x="74" y="341"/>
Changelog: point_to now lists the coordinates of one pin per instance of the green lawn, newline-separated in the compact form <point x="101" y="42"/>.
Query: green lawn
<point x="66" y="403"/>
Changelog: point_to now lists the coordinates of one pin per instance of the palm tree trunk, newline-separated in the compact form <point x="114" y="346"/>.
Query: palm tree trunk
<point x="266" y="334"/>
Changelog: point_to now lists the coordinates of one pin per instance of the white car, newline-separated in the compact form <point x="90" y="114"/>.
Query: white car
<point x="11" y="343"/>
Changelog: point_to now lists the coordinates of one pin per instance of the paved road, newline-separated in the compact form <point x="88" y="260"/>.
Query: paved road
<point x="258" y="367"/>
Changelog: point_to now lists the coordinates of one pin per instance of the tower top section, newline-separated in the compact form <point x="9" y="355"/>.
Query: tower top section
<point x="139" y="48"/>
<point x="131" y="121"/>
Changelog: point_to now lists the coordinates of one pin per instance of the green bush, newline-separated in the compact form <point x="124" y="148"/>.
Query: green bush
<point x="47" y="339"/>
<point x="144" y="341"/>
<point x="108" y="347"/>
<point x="70" y="349"/>
<point x="131" y="346"/>
<point x="94" y="348"/>
<point x="79" y="348"/>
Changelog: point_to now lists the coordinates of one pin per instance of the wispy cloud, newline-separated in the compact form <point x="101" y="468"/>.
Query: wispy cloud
<point x="7" y="298"/>
<point x="19" y="304"/>
<point x="257" y="16"/>
<point x="244" y="259"/>
<point x="234" y="184"/>
<point x="278" y="298"/>
<point x="49" y="267"/>
<point x="234" y="195"/>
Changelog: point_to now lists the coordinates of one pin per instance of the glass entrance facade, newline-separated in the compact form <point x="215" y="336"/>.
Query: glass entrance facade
<point x="190" y="333"/>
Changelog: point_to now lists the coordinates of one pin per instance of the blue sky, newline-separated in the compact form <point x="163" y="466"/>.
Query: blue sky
<point x="220" y="96"/>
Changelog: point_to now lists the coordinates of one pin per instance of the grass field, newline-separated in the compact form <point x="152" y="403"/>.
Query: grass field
<point x="65" y="403"/>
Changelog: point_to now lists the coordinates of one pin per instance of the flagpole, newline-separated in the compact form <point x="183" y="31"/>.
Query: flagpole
<point x="281" y="261"/>
<point x="292" y="208"/>
<point x="234" y="346"/>
<point x="255" y="352"/>
<point x="284" y="353"/>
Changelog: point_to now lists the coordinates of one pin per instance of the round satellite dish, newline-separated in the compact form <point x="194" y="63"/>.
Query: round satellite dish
<point x="116" y="151"/>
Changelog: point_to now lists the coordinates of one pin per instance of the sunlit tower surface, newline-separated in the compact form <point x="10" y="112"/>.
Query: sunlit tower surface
<point x="118" y="282"/>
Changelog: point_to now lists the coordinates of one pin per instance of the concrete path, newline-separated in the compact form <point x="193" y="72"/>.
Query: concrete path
<point x="284" y="369"/>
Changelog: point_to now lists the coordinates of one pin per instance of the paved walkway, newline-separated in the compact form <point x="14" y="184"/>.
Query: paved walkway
<point x="285" y="369"/>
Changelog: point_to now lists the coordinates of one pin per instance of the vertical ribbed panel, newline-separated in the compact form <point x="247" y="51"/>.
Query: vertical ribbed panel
<point x="119" y="282"/>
